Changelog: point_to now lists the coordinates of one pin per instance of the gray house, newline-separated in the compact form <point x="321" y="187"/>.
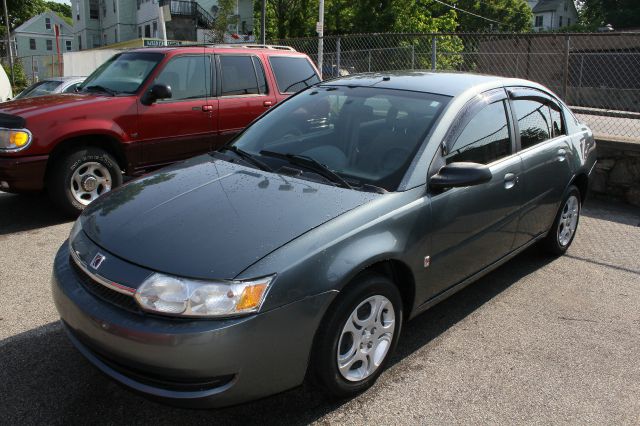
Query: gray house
<point x="98" y="23"/>
<point x="37" y="46"/>
<point x="549" y="15"/>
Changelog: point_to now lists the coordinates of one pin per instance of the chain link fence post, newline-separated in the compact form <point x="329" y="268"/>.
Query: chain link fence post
<point x="337" y="72"/>
<point x="434" y="45"/>
<point x="565" y="74"/>
<point x="413" y="56"/>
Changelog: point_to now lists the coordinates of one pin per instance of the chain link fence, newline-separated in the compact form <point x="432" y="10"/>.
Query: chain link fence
<point x="597" y="74"/>
<point x="39" y="67"/>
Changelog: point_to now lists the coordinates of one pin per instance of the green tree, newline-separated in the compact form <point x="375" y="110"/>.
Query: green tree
<point x="510" y="15"/>
<point x="620" y="14"/>
<point x="226" y="17"/>
<point x="62" y="10"/>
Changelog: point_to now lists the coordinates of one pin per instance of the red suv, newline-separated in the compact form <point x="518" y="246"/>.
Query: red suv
<point x="140" y="110"/>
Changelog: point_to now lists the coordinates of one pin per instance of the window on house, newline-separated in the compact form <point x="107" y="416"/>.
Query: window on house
<point x="568" y="22"/>
<point x="560" y="21"/>
<point x="68" y="44"/>
<point x="147" y="30"/>
<point x="114" y="6"/>
<point x="32" y="43"/>
<point x="539" y="20"/>
<point x="94" y="11"/>
<point x="139" y="32"/>
<point x="155" y="29"/>
<point x="115" y="34"/>
<point x="47" y="23"/>
<point x="49" y="44"/>
<point x="79" y="42"/>
<point x="78" y="10"/>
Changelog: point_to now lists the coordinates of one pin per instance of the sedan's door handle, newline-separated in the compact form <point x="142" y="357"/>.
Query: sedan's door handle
<point x="562" y="154"/>
<point x="510" y="180"/>
<point x="267" y="103"/>
<point x="207" y="108"/>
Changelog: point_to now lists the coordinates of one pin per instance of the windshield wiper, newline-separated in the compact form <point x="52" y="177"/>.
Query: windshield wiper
<point x="299" y="82"/>
<point x="247" y="157"/>
<point x="98" y="88"/>
<point x="311" y="164"/>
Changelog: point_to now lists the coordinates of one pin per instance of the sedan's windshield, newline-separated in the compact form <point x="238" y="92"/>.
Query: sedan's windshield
<point x="366" y="136"/>
<point x="123" y="73"/>
<point x="41" y="88"/>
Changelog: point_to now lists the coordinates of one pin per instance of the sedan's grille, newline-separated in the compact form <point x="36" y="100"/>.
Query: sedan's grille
<point x="122" y="300"/>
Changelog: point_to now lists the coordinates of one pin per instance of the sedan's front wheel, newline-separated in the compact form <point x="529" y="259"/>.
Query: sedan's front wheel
<point x="358" y="335"/>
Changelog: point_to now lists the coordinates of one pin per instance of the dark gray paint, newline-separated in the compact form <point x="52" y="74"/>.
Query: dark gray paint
<point x="209" y="218"/>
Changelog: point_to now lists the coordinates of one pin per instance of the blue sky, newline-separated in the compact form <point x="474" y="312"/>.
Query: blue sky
<point x="63" y="1"/>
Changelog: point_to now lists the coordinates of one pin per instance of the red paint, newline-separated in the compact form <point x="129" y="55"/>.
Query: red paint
<point x="143" y="136"/>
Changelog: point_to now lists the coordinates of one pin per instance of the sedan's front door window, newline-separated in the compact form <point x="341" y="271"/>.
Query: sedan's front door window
<point x="485" y="139"/>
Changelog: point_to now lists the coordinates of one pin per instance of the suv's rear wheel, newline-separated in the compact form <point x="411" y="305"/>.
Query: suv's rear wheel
<point x="81" y="176"/>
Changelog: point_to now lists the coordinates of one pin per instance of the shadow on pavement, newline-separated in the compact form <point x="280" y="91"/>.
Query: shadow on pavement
<point x="43" y="379"/>
<point x="25" y="212"/>
<point x="599" y="207"/>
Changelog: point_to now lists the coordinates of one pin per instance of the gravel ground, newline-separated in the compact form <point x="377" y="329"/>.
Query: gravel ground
<point x="537" y="341"/>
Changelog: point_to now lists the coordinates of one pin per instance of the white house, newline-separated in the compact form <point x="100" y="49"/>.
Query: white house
<point x="549" y="15"/>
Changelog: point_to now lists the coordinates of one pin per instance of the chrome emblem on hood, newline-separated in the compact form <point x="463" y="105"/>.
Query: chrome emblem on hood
<point x="97" y="260"/>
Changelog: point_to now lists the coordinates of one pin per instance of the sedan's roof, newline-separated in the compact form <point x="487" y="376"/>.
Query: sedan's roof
<point x="450" y="84"/>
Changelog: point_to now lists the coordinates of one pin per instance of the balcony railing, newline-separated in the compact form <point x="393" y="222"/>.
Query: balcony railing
<point x="191" y="9"/>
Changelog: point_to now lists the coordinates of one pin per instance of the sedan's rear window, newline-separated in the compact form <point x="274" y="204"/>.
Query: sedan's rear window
<point x="293" y="73"/>
<point x="38" y="89"/>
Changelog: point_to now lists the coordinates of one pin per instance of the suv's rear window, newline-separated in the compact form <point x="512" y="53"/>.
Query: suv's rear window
<point x="293" y="73"/>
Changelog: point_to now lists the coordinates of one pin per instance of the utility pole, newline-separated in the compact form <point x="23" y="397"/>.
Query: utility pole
<point x="263" y="17"/>
<point x="9" y="49"/>
<point x="320" y="31"/>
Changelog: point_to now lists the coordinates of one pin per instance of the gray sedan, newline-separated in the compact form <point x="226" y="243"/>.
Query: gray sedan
<point x="299" y="249"/>
<point x="50" y="86"/>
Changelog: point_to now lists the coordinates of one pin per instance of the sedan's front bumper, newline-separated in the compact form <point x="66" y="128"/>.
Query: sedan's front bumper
<point x="198" y="363"/>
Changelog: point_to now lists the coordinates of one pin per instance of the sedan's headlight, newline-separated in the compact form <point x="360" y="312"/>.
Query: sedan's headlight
<point x="14" y="139"/>
<point x="164" y="294"/>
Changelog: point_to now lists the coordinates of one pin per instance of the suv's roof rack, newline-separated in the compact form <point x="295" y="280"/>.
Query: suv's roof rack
<point x="254" y="46"/>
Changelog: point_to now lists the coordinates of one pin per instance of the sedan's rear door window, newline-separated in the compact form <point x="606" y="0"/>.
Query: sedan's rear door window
<point x="293" y="73"/>
<point x="485" y="139"/>
<point x="534" y="121"/>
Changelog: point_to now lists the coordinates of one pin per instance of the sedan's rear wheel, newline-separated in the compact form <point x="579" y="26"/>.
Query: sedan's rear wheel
<point x="564" y="227"/>
<point x="358" y="335"/>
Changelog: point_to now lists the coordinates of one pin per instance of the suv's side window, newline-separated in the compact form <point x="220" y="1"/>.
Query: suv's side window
<point x="537" y="122"/>
<point x="262" y="81"/>
<point x="238" y="76"/>
<point x="485" y="138"/>
<point x="293" y="73"/>
<point x="188" y="76"/>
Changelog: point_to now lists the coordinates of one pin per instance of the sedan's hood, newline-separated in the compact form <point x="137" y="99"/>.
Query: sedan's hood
<point x="207" y="218"/>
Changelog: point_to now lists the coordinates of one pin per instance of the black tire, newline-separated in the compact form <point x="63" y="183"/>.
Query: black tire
<point x="59" y="180"/>
<point x="324" y="363"/>
<point x="552" y="243"/>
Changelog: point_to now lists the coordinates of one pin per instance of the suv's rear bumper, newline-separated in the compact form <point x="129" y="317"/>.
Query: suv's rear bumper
<point x="22" y="174"/>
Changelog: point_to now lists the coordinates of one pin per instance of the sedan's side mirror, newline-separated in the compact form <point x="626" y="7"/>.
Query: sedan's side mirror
<point x="460" y="174"/>
<point x="157" y="92"/>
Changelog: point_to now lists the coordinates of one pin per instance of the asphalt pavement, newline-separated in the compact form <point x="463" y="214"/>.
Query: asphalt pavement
<point x="540" y="340"/>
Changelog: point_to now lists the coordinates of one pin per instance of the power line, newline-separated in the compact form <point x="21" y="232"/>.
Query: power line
<point x="468" y="12"/>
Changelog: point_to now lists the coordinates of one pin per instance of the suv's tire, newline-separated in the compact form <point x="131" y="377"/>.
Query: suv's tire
<point x="80" y="176"/>
<point x="565" y="225"/>
<point x="372" y="342"/>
